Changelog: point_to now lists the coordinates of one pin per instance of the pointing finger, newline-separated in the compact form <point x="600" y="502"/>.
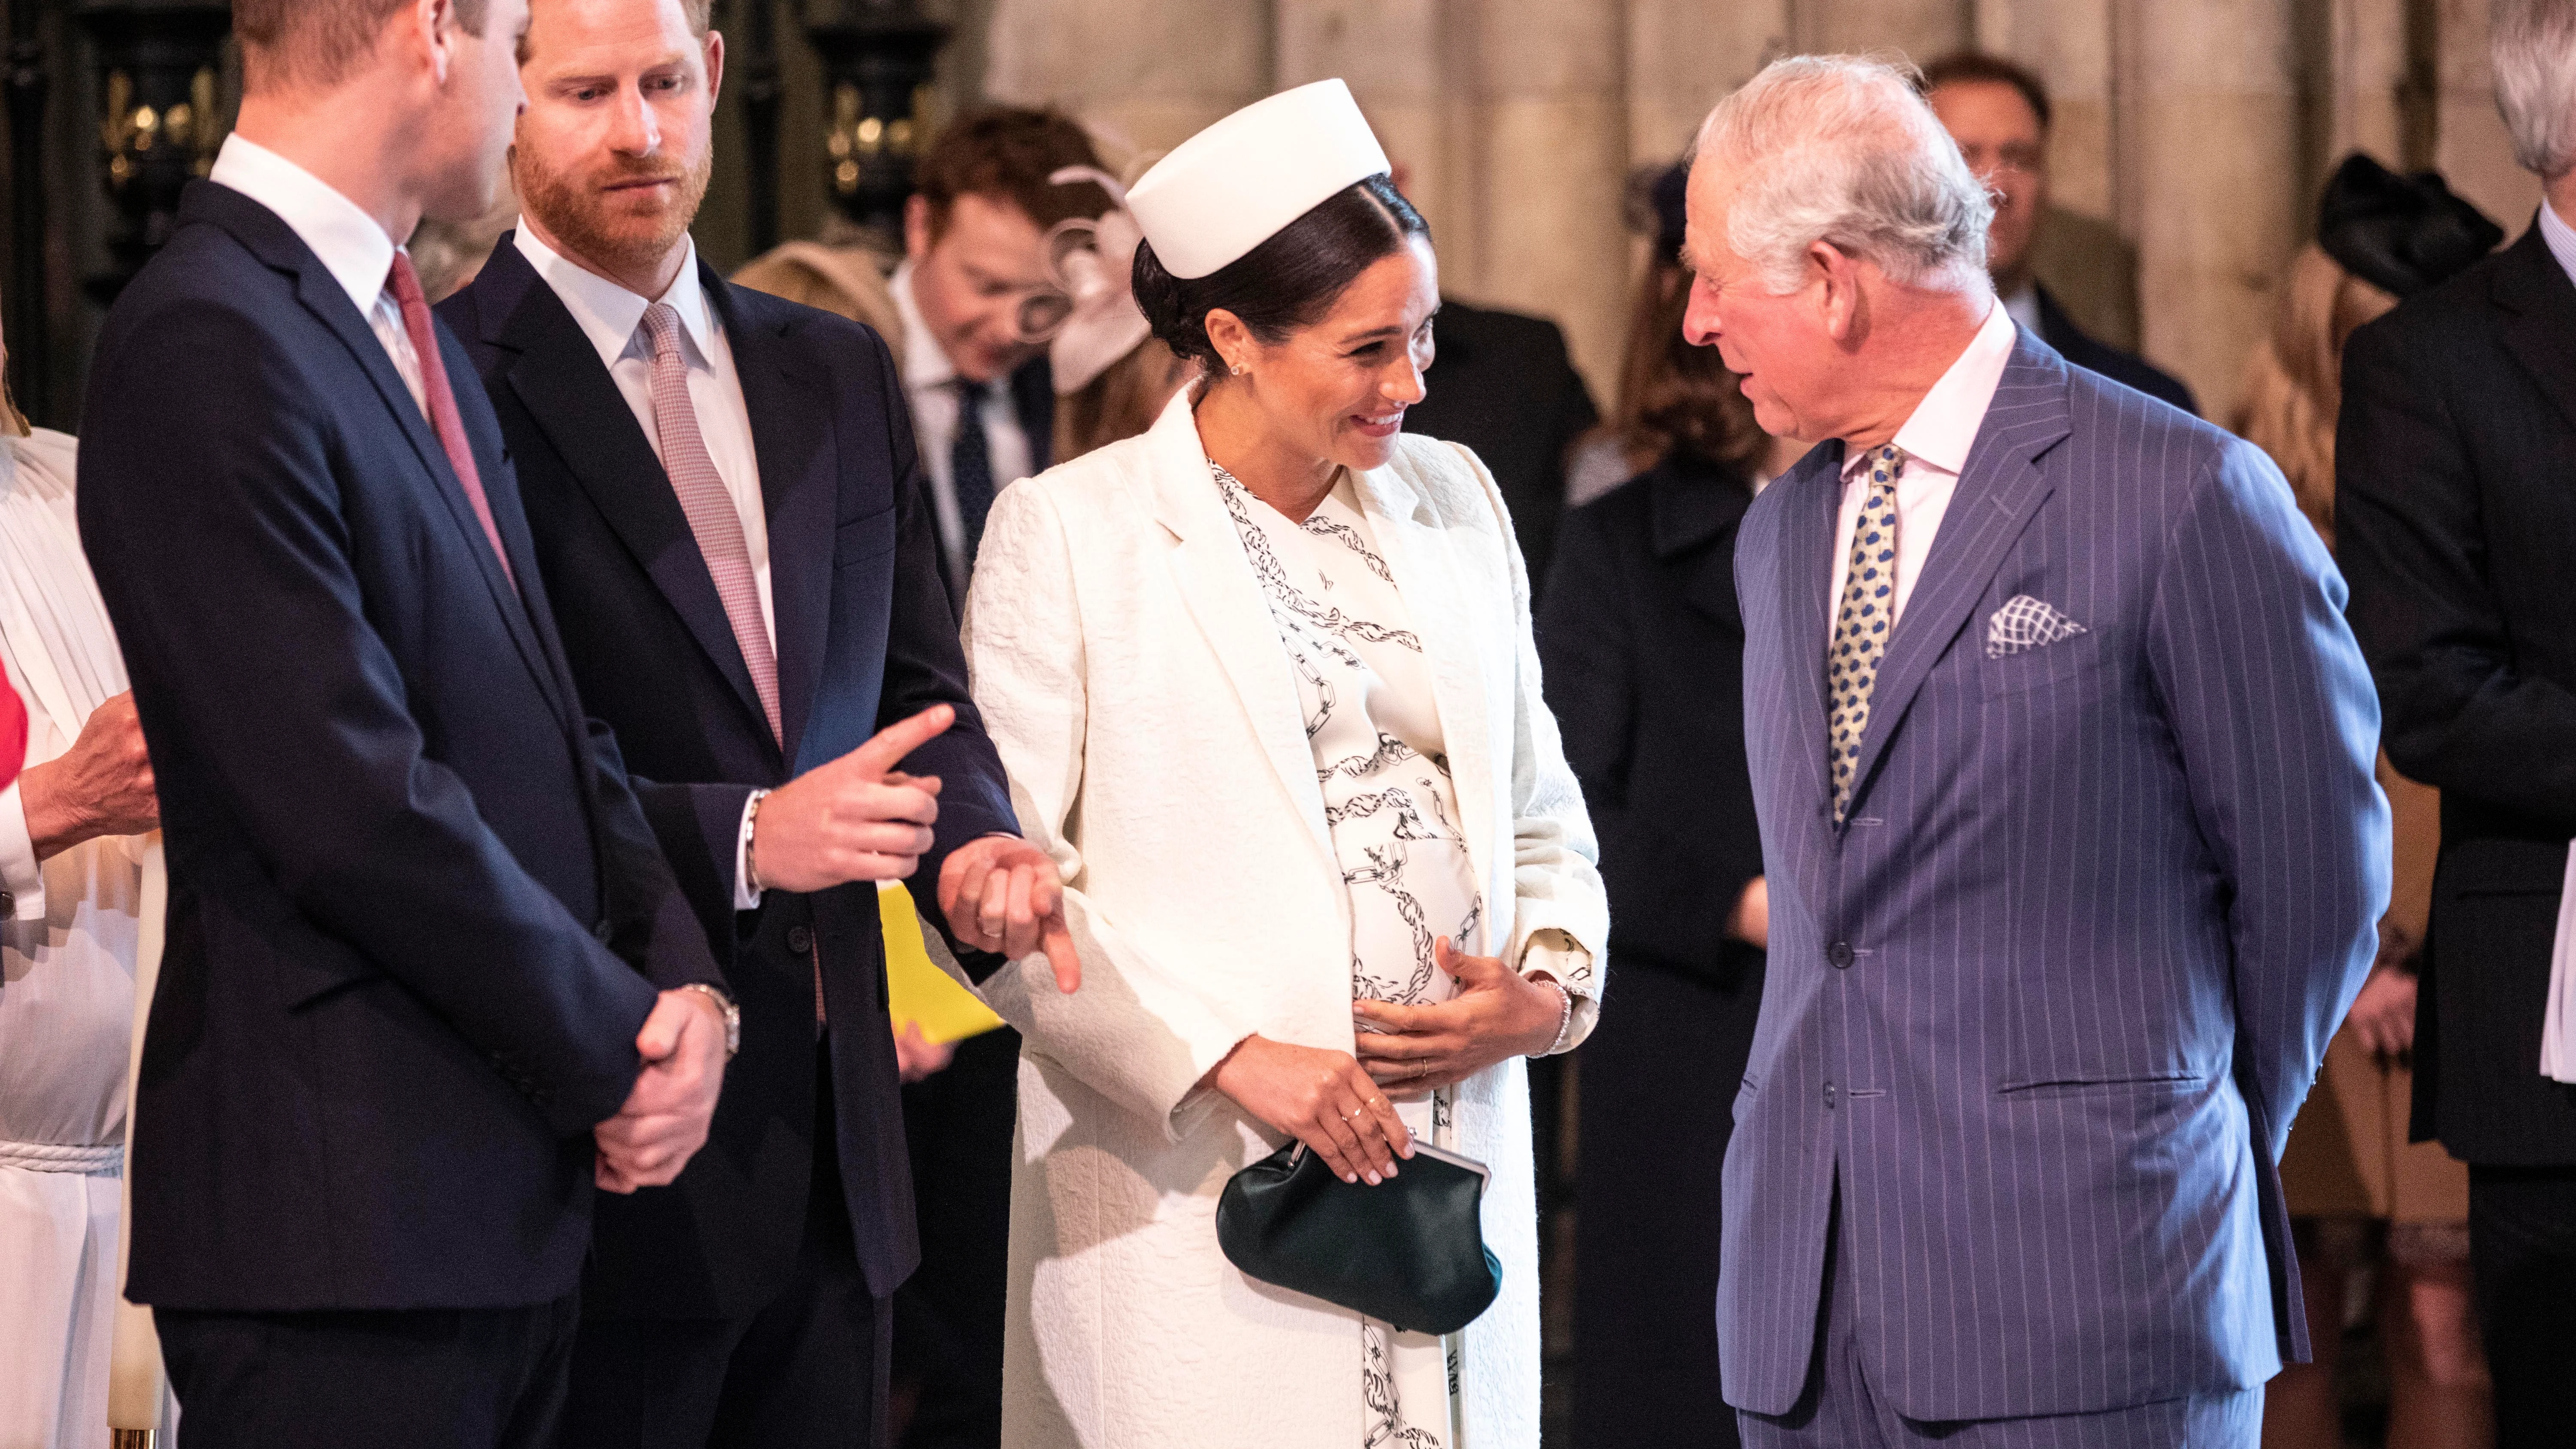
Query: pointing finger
<point x="891" y="744"/>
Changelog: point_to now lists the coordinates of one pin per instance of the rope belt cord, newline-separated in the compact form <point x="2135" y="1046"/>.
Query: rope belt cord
<point x="108" y="1161"/>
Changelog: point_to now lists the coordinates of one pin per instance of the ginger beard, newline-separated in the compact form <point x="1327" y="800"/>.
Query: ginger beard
<point x="600" y="213"/>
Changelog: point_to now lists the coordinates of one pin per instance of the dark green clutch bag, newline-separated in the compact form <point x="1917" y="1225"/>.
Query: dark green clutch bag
<point x="1410" y="1251"/>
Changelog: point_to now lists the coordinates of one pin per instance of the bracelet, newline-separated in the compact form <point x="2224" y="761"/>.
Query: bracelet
<point x="732" y="1014"/>
<point x="1564" y="1020"/>
<point x="750" y="823"/>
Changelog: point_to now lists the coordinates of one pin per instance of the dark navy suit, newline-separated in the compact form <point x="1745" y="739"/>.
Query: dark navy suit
<point x="863" y="637"/>
<point x="2038" y="1017"/>
<point x="416" y="917"/>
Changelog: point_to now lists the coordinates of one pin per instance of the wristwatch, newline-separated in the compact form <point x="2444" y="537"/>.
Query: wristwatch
<point x="732" y="1014"/>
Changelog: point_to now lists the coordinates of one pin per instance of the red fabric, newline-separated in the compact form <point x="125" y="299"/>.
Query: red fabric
<point x="443" y="417"/>
<point x="13" y="734"/>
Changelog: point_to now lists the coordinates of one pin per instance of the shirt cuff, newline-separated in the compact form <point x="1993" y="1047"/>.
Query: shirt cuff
<point x="1561" y="958"/>
<point x="22" y="879"/>
<point x="746" y="896"/>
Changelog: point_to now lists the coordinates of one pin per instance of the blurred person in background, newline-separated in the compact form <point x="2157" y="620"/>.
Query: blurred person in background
<point x="1998" y="112"/>
<point x="974" y="236"/>
<point x="2361" y="1197"/>
<point x="2452" y="466"/>
<point x="1642" y="647"/>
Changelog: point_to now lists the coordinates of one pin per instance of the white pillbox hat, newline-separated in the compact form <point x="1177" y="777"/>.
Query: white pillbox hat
<point x="1241" y="181"/>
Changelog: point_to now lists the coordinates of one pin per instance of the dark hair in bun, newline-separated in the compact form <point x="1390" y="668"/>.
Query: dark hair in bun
<point x="1289" y="280"/>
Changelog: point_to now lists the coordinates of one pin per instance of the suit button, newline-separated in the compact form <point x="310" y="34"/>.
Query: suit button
<point x="1831" y="1096"/>
<point x="799" y="940"/>
<point x="1839" y="953"/>
<point x="603" y="931"/>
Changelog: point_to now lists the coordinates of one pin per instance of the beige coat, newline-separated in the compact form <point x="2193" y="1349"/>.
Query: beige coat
<point x="1128" y="670"/>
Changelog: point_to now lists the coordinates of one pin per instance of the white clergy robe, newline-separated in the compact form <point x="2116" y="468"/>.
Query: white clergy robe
<point x="69" y="927"/>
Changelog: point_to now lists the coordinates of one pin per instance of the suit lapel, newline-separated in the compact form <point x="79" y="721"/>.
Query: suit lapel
<point x="1806" y="615"/>
<point x="1419" y="555"/>
<point x="321" y="295"/>
<point x="559" y="379"/>
<point x="2542" y="335"/>
<point x="1225" y="601"/>
<point x="791" y="435"/>
<point x="1998" y="491"/>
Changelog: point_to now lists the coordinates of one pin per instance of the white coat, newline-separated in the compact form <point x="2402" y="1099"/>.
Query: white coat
<point x="1128" y="671"/>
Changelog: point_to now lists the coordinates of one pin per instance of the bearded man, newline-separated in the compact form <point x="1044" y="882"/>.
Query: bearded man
<point x="723" y="491"/>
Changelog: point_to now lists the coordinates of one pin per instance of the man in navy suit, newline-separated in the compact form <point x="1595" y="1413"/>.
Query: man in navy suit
<point x="428" y="976"/>
<point x="724" y="496"/>
<point x="2062" y="756"/>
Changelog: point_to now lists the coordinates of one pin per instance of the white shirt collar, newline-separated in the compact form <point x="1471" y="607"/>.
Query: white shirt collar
<point x="1943" y="427"/>
<point x="2561" y="238"/>
<point x="608" y="313"/>
<point x="925" y="362"/>
<point x="353" y="246"/>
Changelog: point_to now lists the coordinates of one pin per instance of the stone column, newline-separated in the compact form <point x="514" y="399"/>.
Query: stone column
<point x="1920" y="29"/>
<point x="2365" y="103"/>
<point x="1144" y="74"/>
<point x="1548" y="153"/>
<point x="1684" y="56"/>
<point x="2219" y="200"/>
<point x="2470" y="146"/>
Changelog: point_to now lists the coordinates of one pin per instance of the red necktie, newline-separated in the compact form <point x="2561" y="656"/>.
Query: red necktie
<point x="404" y="283"/>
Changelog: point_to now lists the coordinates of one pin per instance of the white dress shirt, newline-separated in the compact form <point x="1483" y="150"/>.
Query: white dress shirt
<point x="613" y="319"/>
<point x="2560" y="237"/>
<point x="1936" y="439"/>
<point x="929" y="383"/>
<point x="352" y="245"/>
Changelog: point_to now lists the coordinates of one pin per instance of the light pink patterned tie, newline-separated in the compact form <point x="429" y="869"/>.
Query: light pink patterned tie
<point x="709" y="506"/>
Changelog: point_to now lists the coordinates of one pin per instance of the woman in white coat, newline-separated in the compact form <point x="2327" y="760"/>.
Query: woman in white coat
<point x="1264" y="682"/>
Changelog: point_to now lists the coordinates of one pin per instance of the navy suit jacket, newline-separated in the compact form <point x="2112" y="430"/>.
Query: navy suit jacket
<point x="416" y="917"/>
<point x="2453" y="514"/>
<point x="864" y="638"/>
<point x="2045" y="1006"/>
<point x="2080" y="347"/>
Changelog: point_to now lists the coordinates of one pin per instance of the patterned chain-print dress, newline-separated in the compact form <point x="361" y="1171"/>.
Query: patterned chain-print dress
<point x="1393" y="813"/>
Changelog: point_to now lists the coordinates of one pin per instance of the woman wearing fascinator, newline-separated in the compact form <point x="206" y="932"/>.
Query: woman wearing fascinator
<point x="1264" y="682"/>
<point x="1112" y="375"/>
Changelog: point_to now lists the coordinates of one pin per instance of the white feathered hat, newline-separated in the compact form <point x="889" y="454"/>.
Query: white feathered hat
<point x="1241" y="181"/>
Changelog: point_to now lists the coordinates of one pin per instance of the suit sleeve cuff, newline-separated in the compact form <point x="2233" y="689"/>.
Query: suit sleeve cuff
<point x="746" y="896"/>
<point x="21" y="877"/>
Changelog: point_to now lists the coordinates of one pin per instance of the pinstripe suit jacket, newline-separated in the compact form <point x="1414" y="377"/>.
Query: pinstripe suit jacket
<point x="2047" y="1004"/>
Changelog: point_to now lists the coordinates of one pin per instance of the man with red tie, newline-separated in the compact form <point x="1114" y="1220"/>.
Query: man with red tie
<point x="724" y="497"/>
<point x="428" y="977"/>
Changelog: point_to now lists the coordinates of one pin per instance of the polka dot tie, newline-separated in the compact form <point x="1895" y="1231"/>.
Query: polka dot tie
<point x="1861" y="628"/>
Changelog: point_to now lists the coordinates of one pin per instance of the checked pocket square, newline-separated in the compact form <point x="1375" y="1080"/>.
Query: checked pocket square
<point x="2025" y="623"/>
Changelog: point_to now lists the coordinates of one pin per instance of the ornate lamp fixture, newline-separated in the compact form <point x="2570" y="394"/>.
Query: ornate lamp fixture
<point x="877" y="65"/>
<point x="159" y="66"/>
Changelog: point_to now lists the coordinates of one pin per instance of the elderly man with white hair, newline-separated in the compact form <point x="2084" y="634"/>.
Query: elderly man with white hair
<point x="2454" y="460"/>
<point x="2062" y="755"/>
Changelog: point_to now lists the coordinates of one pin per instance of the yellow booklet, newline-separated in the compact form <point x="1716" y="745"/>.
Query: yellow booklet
<point x="916" y="989"/>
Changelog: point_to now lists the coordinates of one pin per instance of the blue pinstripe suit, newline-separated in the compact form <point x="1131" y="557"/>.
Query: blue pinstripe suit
<point x="2047" y="1004"/>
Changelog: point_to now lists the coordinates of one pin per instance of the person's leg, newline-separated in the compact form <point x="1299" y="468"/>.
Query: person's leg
<point x="811" y="1367"/>
<point x="2300" y="1407"/>
<point x="949" y="1315"/>
<point x="2522" y="1250"/>
<point x="2439" y="1397"/>
<point x="430" y="1379"/>
<point x="646" y="1383"/>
